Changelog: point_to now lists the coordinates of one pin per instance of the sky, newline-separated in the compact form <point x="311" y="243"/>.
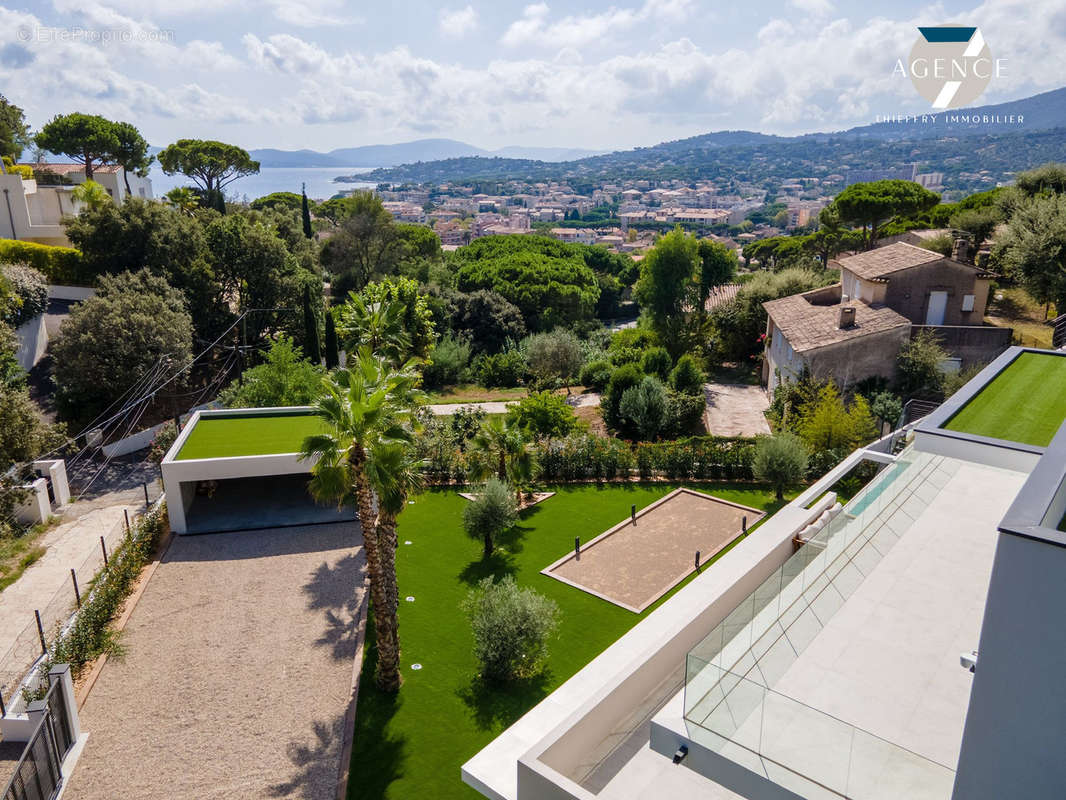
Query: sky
<point x="322" y="74"/>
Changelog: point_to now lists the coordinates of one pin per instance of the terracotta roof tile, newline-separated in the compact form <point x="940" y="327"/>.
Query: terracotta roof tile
<point x="808" y="326"/>
<point x="883" y="261"/>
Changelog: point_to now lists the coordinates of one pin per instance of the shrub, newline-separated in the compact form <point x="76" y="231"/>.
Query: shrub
<point x="162" y="442"/>
<point x="623" y="378"/>
<point x="656" y="362"/>
<point x="918" y="364"/>
<point x="449" y="360"/>
<point x="62" y="265"/>
<point x="286" y="378"/>
<point x="504" y="369"/>
<point x="91" y="634"/>
<point x="554" y="356"/>
<point x="643" y="408"/>
<point x="686" y="377"/>
<point x="886" y="407"/>
<point x="628" y="345"/>
<point x="684" y="413"/>
<point x="542" y="415"/>
<point x="492" y="512"/>
<point x="30" y="287"/>
<point x="511" y="627"/>
<point x="595" y="374"/>
<point x="780" y="460"/>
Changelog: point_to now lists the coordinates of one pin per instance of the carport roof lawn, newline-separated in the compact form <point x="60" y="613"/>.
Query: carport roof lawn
<point x="230" y="436"/>
<point x="1024" y="403"/>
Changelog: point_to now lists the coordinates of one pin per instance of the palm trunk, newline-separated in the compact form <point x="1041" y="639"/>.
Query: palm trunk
<point x="384" y="621"/>
<point x="501" y="470"/>
<point x="387" y="624"/>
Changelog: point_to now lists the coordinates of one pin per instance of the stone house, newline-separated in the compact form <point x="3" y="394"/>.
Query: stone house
<point x="853" y="330"/>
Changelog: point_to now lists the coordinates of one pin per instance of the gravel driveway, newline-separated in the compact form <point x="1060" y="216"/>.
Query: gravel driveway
<point x="237" y="672"/>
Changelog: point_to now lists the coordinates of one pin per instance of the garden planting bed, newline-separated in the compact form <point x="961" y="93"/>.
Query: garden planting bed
<point x="528" y="501"/>
<point x="639" y="560"/>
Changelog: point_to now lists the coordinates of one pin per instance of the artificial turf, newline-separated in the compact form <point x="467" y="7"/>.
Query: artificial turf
<point x="248" y="435"/>
<point x="411" y="745"/>
<point x="1025" y="403"/>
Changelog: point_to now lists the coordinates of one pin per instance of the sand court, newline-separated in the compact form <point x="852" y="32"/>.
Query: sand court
<point x="635" y="563"/>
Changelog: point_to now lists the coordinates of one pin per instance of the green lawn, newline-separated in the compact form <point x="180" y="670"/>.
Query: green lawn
<point x="1025" y="403"/>
<point x="412" y="745"/>
<point x="248" y="435"/>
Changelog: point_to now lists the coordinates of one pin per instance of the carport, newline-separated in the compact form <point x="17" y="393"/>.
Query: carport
<point x="240" y="470"/>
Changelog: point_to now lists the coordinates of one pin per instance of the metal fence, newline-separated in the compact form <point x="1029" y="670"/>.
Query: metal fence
<point x="39" y="775"/>
<point x="43" y="624"/>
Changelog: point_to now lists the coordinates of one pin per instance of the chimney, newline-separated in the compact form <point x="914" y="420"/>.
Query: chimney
<point x="982" y="258"/>
<point x="847" y="317"/>
<point x="960" y="250"/>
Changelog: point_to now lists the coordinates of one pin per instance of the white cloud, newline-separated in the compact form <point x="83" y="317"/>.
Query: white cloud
<point x="535" y="27"/>
<point x="817" y="7"/>
<point x="457" y="22"/>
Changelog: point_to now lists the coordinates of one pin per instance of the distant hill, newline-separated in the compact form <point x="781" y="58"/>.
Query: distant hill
<point x="991" y="154"/>
<point x="385" y="155"/>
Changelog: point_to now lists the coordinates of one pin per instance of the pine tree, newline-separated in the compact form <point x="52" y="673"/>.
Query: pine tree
<point x="311" y="343"/>
<point x="333" y="358"/>
<point x="306" y="208"/>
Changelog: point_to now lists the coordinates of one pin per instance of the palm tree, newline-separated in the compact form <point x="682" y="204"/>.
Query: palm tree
<point x="379" y="326"/>
<point x="184" y="199"/>
<point x="505" y="453"/>
<point x="91" y="195"/>
<point x="364" y="407"/>
<point x="393" y="472"/>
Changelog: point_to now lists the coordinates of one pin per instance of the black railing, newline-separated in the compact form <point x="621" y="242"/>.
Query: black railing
<point x="1058" y="332"/>
<point x="39" y="774"/>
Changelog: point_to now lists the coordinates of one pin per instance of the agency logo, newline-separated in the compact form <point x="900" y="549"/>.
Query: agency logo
<point x="951" y="65"/>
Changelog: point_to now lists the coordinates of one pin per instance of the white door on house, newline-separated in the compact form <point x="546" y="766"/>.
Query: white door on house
<point x="938" y="304"/>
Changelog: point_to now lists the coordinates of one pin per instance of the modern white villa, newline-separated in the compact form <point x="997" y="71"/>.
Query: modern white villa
<point x="907" y="645"/>
<point x="33" y="211"/>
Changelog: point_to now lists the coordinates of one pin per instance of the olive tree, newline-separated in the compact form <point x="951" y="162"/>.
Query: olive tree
<point x="511" y="626"/>
<point x="491" y="513"/>
<point x="781" y="461"/>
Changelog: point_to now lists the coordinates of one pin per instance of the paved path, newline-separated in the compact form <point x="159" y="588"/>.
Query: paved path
<point x="46" y="585"/>
<point x="735" y="409"/>
<point x="237" y="673"/>
<point x="574" y="400"/>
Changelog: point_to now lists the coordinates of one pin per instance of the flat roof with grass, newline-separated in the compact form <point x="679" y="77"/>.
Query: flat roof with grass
<point x="1025" y="403"/>
<point x="244" y="434"/>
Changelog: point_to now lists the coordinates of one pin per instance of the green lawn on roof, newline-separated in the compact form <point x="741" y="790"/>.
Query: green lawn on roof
<point x="1025" y="403"/>
<point x="411" y="745"/>
<point x="251" y="435"/>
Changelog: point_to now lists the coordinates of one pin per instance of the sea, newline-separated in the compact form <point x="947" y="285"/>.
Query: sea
<point x="319" y="181"/>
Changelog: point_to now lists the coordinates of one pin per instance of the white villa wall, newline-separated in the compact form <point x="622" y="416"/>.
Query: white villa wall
<point x="32" y="339"/>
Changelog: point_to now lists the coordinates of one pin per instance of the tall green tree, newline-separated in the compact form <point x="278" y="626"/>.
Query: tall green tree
<point x="311" y="340"/>
<point x="366" y="244"/>
<point x="717" y="266"/>
<point x="131" y="152"/>
<point x="391" y="317"/>
<point x="367" y="406"/>
<point x="870" y="205"/>
<point x="89" y="139"/>
<point x="665" y="283"/>
<point x="210" y="164"/>
<point x="14" y="133"/>
<point x="1033" y="248"/>
<point x="305" y="212"/>
<point x="285" y="378"/>
<point x="333" y="357"/>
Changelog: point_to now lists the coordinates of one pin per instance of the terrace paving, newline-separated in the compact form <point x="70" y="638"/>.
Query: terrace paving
<point x="237" y="672"/>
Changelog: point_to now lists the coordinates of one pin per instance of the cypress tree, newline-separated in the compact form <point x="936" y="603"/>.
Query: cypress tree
<point x="311" y="344"/>
<point x="306" y="208"/>
<point x="333" y="358"/>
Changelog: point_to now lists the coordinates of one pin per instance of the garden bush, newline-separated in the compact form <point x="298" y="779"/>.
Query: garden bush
<point x="59" y="265"/>
<point x="656" y="362"/>
<point x="448" y="362"/>
<point x="642" y="408"/>
<point x="499" y="370"/>
<point x="511" y="627"/>
<point x="91" y="634"/>
<point x="542" y="415"/>
<point x="595" y="374"/>
<point x="30" y="287"/>
<point x="781" y="461"/>
<point x="623" y="378"/>
<point x="687" y="377"/>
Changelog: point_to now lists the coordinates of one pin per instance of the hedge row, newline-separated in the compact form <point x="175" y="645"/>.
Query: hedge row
<point x="91" y="634"/>
<point x="587" y="457"/>
<point x="60" y="265"/>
